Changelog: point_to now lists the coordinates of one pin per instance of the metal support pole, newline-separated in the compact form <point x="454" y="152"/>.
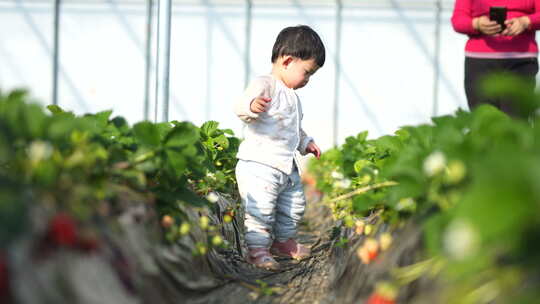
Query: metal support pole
<point x="149" y="21"/>
<point x="148" y="59"/>
<point x="163" y="58"/>
<point x="339" y="19"/>
<point x="56" y="51"/>
<point x="209" y="48"/>
<point x="247" y="48"/>
<point x="436" y="59"/>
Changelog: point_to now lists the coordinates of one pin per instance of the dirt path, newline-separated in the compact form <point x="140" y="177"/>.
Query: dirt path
<point x="297" y="282"/>
<point x="332" y="274"/>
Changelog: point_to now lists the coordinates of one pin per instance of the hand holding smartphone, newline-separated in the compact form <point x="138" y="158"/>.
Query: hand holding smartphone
<point x="498" y="14"/>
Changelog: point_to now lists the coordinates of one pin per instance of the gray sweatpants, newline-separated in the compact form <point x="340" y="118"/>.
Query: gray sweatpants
<point x="274" y="202"/>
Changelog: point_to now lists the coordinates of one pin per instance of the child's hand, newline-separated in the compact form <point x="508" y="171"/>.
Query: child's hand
<point x="313" y="149"/>
<point x="259" y="104"/>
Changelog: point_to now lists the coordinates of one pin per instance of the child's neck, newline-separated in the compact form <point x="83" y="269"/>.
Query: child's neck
<point x="276" y="73"/>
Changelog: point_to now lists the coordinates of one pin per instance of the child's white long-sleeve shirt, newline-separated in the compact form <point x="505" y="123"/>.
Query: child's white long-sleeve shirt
<point x="272" y="137"/>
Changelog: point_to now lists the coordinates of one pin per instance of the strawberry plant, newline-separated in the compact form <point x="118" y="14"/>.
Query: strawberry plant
<point x="472" y="182"/>
<point x="79" y="163"/>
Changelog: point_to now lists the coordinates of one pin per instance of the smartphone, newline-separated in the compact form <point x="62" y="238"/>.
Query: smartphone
<point x="498" y="14"/>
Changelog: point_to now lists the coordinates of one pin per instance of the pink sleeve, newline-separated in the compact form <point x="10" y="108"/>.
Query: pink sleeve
<point x="462" y="17"/>
<point x="535" y="17"/>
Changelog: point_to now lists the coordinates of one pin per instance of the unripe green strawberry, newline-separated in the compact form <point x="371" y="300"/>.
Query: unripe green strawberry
<point x="359" y="227"/>
<point x="217" y="240"/>
<point x="201" y="248"/>
<point x="203" y="222"/>
<point x="184" y="228"/>
<point x="385" y="241"/>
<point x="348" y="221"/>
<point x="368" y="229"/>
<point x="455" y="172"/>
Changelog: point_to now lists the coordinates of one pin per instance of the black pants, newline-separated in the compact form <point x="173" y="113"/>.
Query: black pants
<point x="477" y="68"/>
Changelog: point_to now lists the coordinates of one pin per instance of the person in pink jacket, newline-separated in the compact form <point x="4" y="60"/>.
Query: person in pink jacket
<point x="491" y="48"/>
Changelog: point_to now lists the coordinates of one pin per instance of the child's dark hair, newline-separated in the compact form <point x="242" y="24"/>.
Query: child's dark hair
<point x="301" y="42"/>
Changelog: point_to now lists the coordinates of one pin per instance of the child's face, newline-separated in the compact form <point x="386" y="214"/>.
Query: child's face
<point x="296" y="72"/>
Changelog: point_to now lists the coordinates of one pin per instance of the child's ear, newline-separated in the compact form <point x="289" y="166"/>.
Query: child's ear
<point x="287" y="60"/>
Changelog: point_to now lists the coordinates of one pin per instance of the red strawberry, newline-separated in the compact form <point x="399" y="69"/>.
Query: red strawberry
<point x="368" y="251"/>
<point x="230" y="212"/>
<point x="308" y="179"/>
<point x="385" y="293"/>
<point x="4" y="280"/>
<point x="62" y="230"/>
<point x="167" y="221"/>
<point x="376" y="298"/>
<point x="372" y="247"/>
<point x="88" y="244"/>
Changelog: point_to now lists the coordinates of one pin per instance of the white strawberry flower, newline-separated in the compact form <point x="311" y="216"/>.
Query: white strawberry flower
<point x="343" y="183"/>
<point x="461" y="239"/>
<point x="212" y="197"/>
<point x="346" y="183"/>
<point x="405" y="204"/>
<point x="434" y="163"/>
<point x="336" y="175"/>
<point x="39" y="150"/>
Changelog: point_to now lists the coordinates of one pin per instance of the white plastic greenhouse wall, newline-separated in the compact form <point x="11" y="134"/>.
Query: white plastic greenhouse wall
<point x="387" y="61"/>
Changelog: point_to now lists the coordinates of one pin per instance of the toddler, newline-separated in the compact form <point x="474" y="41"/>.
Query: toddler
<point x="268" y="171"/>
